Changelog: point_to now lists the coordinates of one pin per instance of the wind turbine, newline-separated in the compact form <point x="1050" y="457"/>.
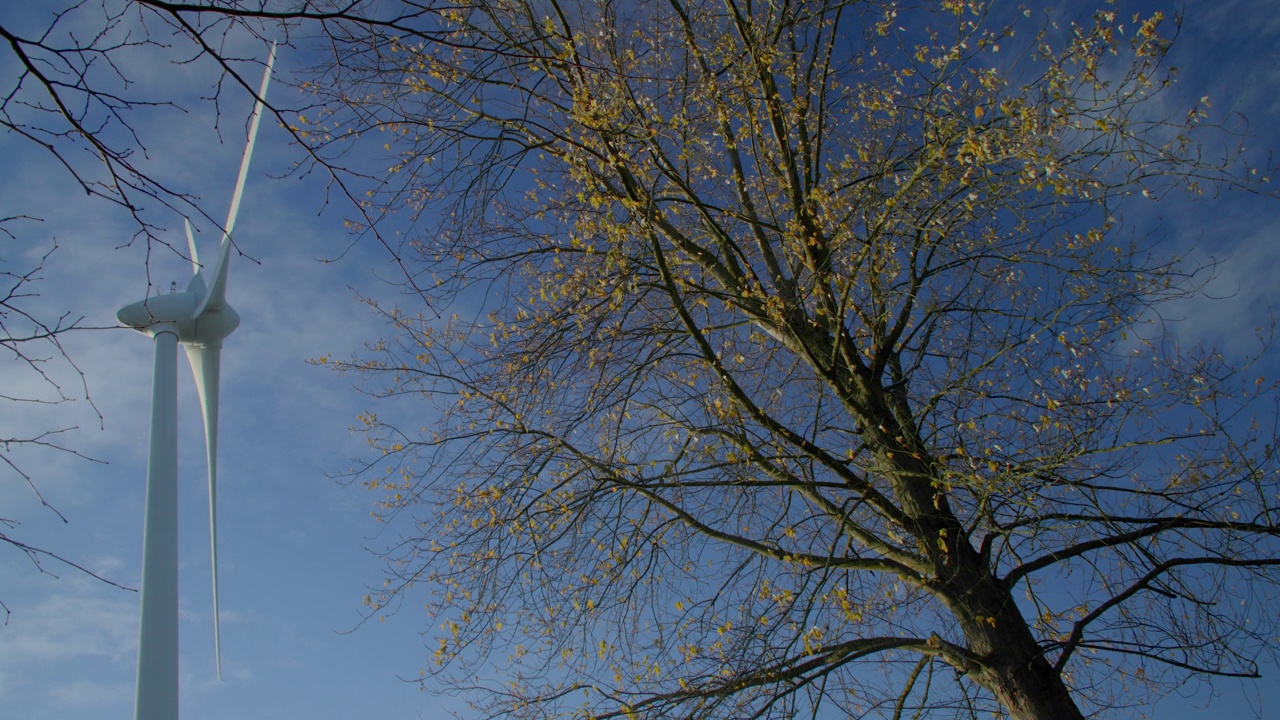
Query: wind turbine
<point x="200" y="319"/>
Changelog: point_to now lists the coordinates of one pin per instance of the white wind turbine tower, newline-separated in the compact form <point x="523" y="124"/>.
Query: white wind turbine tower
<point x="199" y="318"/>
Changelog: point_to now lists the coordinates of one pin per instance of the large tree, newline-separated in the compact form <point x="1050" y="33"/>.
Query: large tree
<point x="789" y="356"/>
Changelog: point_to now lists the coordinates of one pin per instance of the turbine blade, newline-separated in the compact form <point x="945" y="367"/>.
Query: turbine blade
<point x="205" y="365"/>
<point x="197" y="284"/>
<point x="216" y="294"/>
<point x="191" y="247"/>
<point x="248" y="148"/>
<point x="213" y="292"/>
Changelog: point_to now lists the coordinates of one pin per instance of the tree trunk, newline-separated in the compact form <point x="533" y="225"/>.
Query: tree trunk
<point x="1035" y="692"/>
<point x="1011" y="662"/>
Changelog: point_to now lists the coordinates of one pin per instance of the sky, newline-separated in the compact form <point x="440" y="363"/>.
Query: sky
<point x="294" y="539"/>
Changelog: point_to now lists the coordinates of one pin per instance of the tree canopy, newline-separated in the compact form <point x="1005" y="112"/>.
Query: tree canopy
<point x="809" y="376"/>
<point x="789" y="358"/>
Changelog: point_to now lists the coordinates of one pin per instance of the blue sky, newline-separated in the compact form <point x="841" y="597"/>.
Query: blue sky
<point x="293" y="561"/>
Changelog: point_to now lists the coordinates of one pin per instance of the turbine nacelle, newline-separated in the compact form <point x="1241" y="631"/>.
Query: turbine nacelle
<point x="172" y="309"/>
<point x="192" y="314"/>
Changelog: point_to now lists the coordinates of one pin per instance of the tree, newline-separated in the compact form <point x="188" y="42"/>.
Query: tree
<point x="794" y="358"/>
<point x="812" y="381"/>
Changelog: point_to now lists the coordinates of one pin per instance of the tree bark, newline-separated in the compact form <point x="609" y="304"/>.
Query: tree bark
<point x="1012" y="664"/>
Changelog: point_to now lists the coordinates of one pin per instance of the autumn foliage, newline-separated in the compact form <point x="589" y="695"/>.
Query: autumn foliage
<point x="794" y="358"/>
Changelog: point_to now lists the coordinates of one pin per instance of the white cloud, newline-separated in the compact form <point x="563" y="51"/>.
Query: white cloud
<point x="72" y="625"/>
